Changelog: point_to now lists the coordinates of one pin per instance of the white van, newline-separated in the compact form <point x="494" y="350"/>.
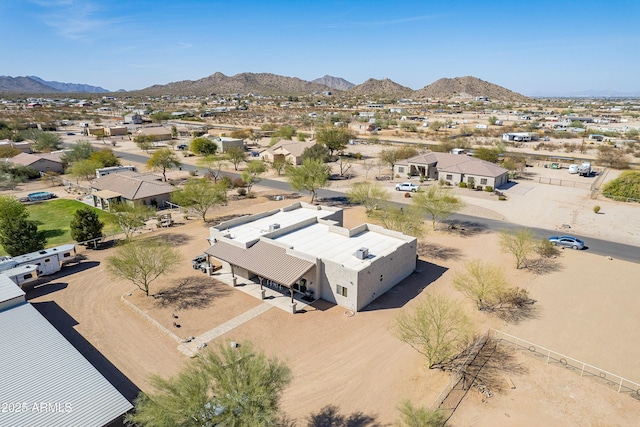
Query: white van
<point x="573" y="168"/>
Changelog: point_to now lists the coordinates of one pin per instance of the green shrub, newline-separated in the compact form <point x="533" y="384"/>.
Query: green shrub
<point x="462" y="185"/>
<point x="596" y="209"/>
<point x="488" y="189"/>
<point x="627" y="185"/>
<point x="502" y="198"/>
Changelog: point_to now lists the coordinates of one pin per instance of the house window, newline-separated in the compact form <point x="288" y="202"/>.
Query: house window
<point x="47" y="260"/>
<point x="27" y="276"/>
<point x="341" y="290"/>
<point x="483" y="181"/>
<point x="400" y="169"/>
<point x="449" y="177"/>
<point x="67" y="255"/>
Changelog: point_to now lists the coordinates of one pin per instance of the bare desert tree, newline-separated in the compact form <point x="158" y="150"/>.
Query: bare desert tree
<point x="438" y="203"/>
<point x="481" y="282"/>
<point x="143" y="261"/>
<point x="520" y="242"/>
<point x="437" y="328"/>
<point x="367" y="194"/>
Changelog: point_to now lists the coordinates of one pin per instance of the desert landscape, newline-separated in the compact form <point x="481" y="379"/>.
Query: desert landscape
<point x="584" y="308"/>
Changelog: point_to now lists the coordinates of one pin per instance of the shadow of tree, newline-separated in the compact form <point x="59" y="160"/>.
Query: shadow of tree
<point x="515" y="313"/>
<point x="50" y="234"/>
<point x="330" y="416"/>
<point x="191" y="292"/>
<point x="433" y="250"/>
<point x="174" y="239"/>
<point x="544" y="266"/>
<point x="465" y="228"/>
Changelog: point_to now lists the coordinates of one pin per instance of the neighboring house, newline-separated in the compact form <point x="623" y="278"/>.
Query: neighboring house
<point x="303" y="250"/>
<point x="134" y="118"/>
<point x="158" y="133"/>
<point x="116" y="131"/>
<point x="130" y="187"/>
<point x="290" y="150"/>
<point x="45" y="380"/>
<point x="23" y="146"/>
<point x="224" y="143"/>
<point x="454" y="169"/>
<point x="95" y="131"/>
<point x="520" y="136"/>
<point x="42" y="162"/>
<point x="114" y="169"/>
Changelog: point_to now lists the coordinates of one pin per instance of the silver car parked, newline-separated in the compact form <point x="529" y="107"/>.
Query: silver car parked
<point x="567" y="242"/>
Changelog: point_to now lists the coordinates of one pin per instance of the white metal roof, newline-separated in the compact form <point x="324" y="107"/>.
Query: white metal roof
<point x="21" y="259"/>
<point x="254" y="229"/>
<point x="39" y="366"/>
<point x="8" y="291"/>
<point x="316" y="240"/>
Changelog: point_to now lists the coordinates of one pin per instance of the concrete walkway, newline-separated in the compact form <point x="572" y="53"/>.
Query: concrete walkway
<point x="272" y="298"/>
<point x="191" y="348"/>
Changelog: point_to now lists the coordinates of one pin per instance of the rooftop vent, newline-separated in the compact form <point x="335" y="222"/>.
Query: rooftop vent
<point x="362" y="253"/>
<point x="274" y="227"/>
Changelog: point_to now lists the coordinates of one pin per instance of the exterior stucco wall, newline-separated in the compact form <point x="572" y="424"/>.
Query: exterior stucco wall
<point x="333" y="274"/>
<point x="384" y="273"/>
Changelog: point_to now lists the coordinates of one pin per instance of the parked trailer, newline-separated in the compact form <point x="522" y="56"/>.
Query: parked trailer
<point x="23" y="274"/>
<point x="49" y="260"/>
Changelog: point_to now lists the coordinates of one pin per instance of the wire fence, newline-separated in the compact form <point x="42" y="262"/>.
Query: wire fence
<point x="620" y="384"/>
<point x="565" y="183"/>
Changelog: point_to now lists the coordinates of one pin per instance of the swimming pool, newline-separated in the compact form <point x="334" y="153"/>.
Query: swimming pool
<point x="41" y="195"/>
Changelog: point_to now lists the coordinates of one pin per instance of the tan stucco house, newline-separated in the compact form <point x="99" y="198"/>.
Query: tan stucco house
<point x="453" y="168"/>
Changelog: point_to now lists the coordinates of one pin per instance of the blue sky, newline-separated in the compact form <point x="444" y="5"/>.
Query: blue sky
<point x="533" y="47"/>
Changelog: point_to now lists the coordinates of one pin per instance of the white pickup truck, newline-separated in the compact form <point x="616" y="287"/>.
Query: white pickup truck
<point x="407" y="186"/>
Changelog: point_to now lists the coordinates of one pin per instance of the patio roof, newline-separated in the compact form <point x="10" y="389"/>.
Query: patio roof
<point x="107" y="194"/>
<point x="263" y="259"/>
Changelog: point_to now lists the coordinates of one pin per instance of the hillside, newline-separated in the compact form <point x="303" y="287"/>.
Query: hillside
<point x="336" y="83"/>
<point x="22" y="84"/>
<point x="244" y="83"/>
<point x="383" y="87"/>
<point x="70" y="87"/>
<point x="468" y="87"/>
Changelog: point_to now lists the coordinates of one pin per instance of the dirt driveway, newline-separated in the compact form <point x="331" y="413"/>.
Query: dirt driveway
<point x="354" y="362"/>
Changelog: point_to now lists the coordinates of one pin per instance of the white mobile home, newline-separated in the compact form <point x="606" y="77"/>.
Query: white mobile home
<point x="48" y="261"/>
<point x="23" y="274"/>
<point x="114" y="169"/>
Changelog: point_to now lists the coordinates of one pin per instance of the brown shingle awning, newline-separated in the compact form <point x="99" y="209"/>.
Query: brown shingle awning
<point x="263" y="259"/>
<point x="107" y="194"/>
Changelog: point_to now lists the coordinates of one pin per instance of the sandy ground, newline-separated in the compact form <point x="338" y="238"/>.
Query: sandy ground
<point x="585" y="309"/>
<point x="354" y="362"/>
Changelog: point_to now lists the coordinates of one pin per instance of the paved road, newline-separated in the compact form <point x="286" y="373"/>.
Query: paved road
<point x="597" y="246"/>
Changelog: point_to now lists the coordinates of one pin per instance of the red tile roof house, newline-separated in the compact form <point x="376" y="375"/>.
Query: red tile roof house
<point x="130" y="187"/>
<point x="454" y="169"/>
<point x="42" y="162"/>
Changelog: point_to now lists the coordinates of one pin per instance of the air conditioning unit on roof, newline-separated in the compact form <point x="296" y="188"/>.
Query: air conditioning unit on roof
<point x="362" y="253"/>
<point x="274" y="227"/>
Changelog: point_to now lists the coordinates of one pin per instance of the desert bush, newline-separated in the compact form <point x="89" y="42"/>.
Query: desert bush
<point x="488" y="189"/>
<point x="627" y="185"/>
<point x="596" y="209"/>
<point x="546" y="249"/>
<point x="502" y="198"/>
<point x="462" y="185"/>
<point x="242" y="191"/>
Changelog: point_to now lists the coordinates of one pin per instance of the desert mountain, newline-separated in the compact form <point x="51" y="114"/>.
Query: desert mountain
<point x="70" y="87"/>
<point x="337" y="83"/>
<point x="261" y="83"/>
<point x="22" y="84"/>
<point x="384" y="87"/>
<point x="467" y="87"/>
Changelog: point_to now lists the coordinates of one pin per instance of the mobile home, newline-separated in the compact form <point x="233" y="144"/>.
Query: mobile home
<point x="23" y="274"/>
<point x="48" y="261"/>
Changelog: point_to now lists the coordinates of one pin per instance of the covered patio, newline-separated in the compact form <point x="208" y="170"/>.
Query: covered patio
<point x="268" y="265"/>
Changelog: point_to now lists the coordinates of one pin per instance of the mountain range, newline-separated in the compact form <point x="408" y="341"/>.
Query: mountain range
<point x="34" y="84"/>
<point x="272" y="84"/>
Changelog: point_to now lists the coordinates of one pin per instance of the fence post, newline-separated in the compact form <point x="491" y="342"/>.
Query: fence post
<point x="548" y="356"/>
<point x="620" y="386"/>
<point x="516" y="344"/>
<point x="582" y="372"/>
